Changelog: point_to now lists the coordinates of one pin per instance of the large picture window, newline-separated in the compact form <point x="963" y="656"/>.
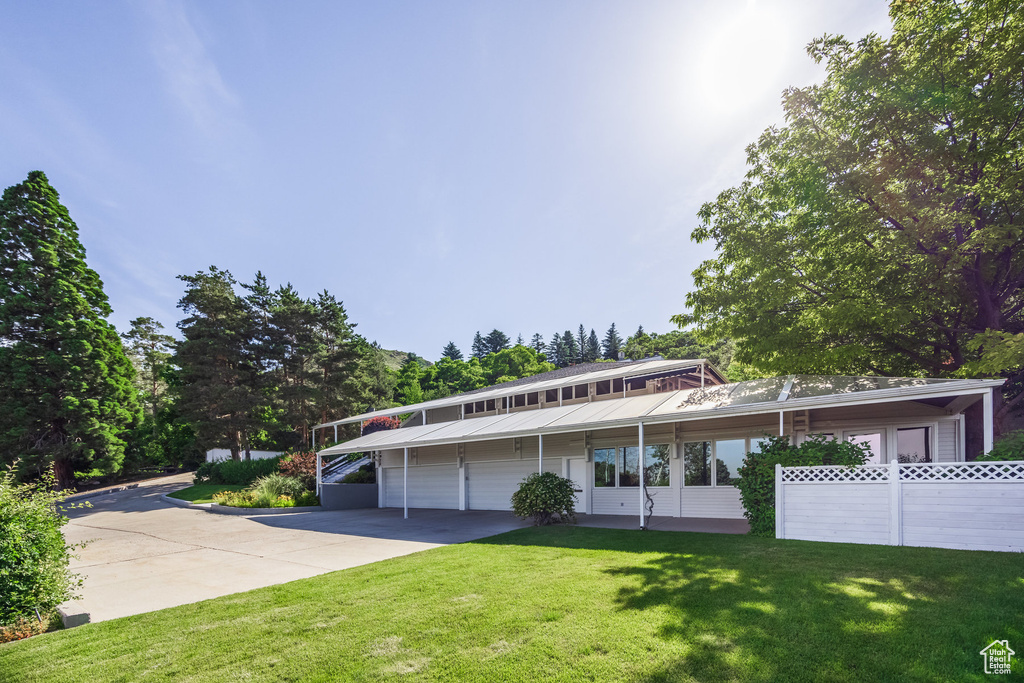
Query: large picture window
<point x="620" y="467"/>
<point x="715" y="463"/>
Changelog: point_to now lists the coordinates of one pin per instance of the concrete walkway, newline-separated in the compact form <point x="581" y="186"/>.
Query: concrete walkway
<point x="144" y="554"/>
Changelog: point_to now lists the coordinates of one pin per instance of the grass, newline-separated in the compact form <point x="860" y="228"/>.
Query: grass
<point x="203" y="493"/>
<point x="576" y="604"/>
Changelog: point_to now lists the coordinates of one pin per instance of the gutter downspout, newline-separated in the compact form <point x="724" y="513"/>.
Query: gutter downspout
<point x="640" y="470"/>
<point x="405" y="485"/>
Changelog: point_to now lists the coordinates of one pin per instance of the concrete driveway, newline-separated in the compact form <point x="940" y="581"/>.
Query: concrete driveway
<point x="144" y="554"/>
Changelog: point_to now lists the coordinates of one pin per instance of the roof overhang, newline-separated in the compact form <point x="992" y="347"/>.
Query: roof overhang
<point x="648" y="409"/>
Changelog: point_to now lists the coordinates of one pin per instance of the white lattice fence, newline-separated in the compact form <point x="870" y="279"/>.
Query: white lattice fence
<point x="976" y="506"/>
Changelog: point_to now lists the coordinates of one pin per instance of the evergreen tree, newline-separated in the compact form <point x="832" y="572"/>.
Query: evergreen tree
<point x="479" y="346"/>
<point x="215" y="394"/>
<point x="612" y="343"/>
<point x="150" y="351"/>
<point x="451" y="351"/>
<point x="537" y="343"/>
<point x="556" y="351"/>
<point x="581" y="344"/>
<point x="570" y="349"/>
<point x="336" y="360"/>
<point x="519" y="341"/>
<point x="593" y="351"/>
<point x="496" y="341"/>
<point x="67" y="395"/>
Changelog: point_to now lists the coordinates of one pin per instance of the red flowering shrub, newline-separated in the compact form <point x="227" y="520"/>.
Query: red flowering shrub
<point x="302" y="466"/>
<point x="380" y="424"/>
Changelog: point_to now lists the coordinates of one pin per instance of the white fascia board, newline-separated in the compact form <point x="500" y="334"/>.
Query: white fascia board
<point x="830" y="401"/>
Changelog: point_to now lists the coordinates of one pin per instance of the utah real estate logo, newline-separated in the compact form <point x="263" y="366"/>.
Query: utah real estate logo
<point x="997" y="657"/>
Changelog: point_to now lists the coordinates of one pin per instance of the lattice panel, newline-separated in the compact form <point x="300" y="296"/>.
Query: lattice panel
<point x="966" y="471"/>
<point x="835" y="474"/>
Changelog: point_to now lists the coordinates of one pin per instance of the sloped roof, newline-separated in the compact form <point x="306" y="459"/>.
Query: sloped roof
<point x="795" y="392"/>
<point x="562" y="377"/>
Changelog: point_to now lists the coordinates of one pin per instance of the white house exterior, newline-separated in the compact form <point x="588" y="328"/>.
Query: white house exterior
<point x="470" y="452"/>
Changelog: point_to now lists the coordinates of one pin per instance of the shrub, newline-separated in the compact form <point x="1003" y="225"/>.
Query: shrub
<point x="546" y="498"/>
<point x="756" y="482"/>
<point x="272" y="491"/>
<point x="301" y="466"/>
<point x="235" y="472"/>
<point x="1009" y="447"/>
<point x="34" y="557"/>
<point x="380" y="424"/>
<point x="24" y="627"/>
<point x="366" y="474"/>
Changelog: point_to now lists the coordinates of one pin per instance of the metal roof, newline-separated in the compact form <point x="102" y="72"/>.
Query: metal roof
<point x="540" y="383"/>
<point x="756" y="396"/>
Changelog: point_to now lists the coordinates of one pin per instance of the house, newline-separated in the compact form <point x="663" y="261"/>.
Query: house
<point x="590" y="423"/>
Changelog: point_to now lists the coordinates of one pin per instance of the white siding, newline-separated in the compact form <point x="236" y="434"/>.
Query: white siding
<point x="720" y="502"/>
<point x="983" y="516"/>
<point x="947" y="442"/>
<point x="430" y="486"/>
<point x="842" y="513"/>
<point x="609" y="500"/>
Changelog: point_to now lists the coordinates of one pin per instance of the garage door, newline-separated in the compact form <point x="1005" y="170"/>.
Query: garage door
<point x="430" y="486"/>
<point x="490" y="485"/>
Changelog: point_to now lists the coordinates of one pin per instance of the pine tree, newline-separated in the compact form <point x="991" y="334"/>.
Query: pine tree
<point x="556" y="351"/>
<point x="593" y="351"/>
<point x="479" y="346"/>
<point x="67" y="395"/>
<point x="496" y="341"/>
<point x="537" y="343"/>
<point x="519" y="341"/>
<point x="612" y="343"/>
<point x="336" y="359"/>
<point x="571" y="349"/>
<point x="451" y="351"/>
<point x="150" y="351"/>
<point x="581" y="343"/>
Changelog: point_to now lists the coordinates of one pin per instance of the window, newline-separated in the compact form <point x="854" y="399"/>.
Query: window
<point x="624" y="462"/>
<point x="914" y="444"/>
<point x="629" y="466"/>
<point x="478" y="407"/>
<point x="604" y="467"/>
<point x="519" y="400"/>
<point x="566" y="393"/>
<point x="604" y="387"/>
<point x="874" y="441"/>
<point x="551" y="396"/>
<point x="582" y="390"/>
<point x="715" y="463"/>
<point x="617" y="385"/>
<point x="504" y="402"/>
<point x="532" y="398"/>
<point x="697" y="463"/>
<point x="467" y="409"/>
<point x="490" y="404"/>
<point x="656" y="467"/>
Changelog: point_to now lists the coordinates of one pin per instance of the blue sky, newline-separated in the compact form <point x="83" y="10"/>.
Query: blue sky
<point x="441" y="167"/>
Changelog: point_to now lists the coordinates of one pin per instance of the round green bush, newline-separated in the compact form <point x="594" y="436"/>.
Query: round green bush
<point x="546" y="498"/>
<point x="1009" y="447"/>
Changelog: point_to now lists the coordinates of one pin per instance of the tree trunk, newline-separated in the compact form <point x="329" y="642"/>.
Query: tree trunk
<point x="64" y="473"/>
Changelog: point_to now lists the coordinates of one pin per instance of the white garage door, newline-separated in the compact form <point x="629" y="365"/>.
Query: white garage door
<point x="430" y="486"/>
<point x="490" y="485"/>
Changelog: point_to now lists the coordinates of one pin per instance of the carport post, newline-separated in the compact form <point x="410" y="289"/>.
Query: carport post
<point x="540" y="459"/>
<point x="986" y="416"/>
<point x="319" y="475"/>
<point x="335" y="433"/>
<point x="640" y="471"/>
<point x="405" y="485"/>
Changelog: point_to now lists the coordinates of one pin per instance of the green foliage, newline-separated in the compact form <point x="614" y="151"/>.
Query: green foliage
<point x="546" y="498"/>
<point x="513" y="363"/>
<point x="611" y="344"/>
<point x="757" y="474"/>
<point x="1010" y="446"/>
<point x="301" y="466"/>
<point x="149" y="350"/>
<point x="366" y="474"/>
<point x="881" y="230"/>
<point x="67" y="394"/>
<point x="236" y="472"/>
<point x="34" y="557"/>
<point x="271" y="491"/>
<point x="451" y="351"/>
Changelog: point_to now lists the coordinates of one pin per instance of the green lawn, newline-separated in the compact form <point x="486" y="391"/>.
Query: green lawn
<point x="203" y="493"/>
<point x="576" y="604"/>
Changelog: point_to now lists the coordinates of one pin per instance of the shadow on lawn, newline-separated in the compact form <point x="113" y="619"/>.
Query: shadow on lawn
<point x="765" y="610"/>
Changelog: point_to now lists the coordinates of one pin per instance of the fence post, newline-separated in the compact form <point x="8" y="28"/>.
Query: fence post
<point x="895" y="505"/>
<point x="780" y="504"/>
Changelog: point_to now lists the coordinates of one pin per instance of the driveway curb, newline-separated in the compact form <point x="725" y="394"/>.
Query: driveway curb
<point x="225" y="510"/>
